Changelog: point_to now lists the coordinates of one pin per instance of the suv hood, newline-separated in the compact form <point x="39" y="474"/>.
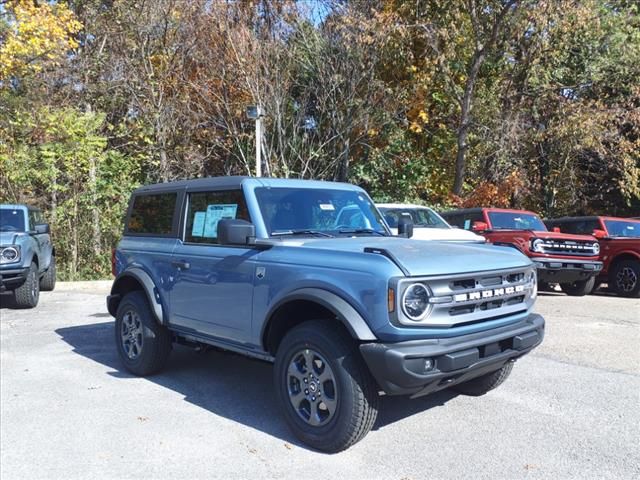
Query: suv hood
<point x="451" y="234"/>
<point x="426" y="258"/>
<point x="554" y="235"/>
<point x="9" y="238"/>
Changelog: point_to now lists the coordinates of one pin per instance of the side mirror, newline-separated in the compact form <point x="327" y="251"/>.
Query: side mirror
<point x="479" y="226"/>
<point x="405" y="227"/>
<point x="599" y="234"/>
<point x="42" y="228"/>
<point x="556" y="229"/>
<point x="236" y="232"/>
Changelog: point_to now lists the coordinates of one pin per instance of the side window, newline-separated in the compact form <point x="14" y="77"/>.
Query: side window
<point x="206" y="209"/>
<point x="152" y="214"/>
<point x="35" y="218"/>
<point x="580" y="227"/>
<point x="32" y="220"/>
<point x="455" y="220"/>
<point x="466" y="221"/>
<point x="588" y="226"/>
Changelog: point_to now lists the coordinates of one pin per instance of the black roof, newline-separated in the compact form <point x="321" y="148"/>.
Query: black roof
<point x="207" y="182"/>
<point x="570" y="219"/>
<point x="458" y="211"/>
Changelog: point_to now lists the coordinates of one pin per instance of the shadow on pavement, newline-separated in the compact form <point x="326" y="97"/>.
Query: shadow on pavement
<point x="226" y="384"/>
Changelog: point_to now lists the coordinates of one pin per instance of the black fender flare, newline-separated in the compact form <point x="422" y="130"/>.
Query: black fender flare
<point x="343" y="310"/>
<point x="150" y="289"/>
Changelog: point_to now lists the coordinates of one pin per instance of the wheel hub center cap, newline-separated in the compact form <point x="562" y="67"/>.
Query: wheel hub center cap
<point x="313" y="387"/>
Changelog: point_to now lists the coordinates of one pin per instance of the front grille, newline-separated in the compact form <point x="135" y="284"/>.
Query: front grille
<point x="568" y="247"/>
<point x="473" y="298"/>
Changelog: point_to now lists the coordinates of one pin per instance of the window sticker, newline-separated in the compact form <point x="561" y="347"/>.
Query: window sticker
<point x="327" y="207"/>
<point x="198" y="224"/>
<point x="215" y="213"/>
<point x="467" y="224"/>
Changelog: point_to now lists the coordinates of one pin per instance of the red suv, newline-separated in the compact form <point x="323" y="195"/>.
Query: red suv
<point x="619" y="249"/>
<point x="570" y="260"/>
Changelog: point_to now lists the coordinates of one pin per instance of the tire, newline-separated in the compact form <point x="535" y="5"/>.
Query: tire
<point x="143" y="345"/>
<point x="625" y="278"/>
<point x="485" y="383"/>
<point x="48" y="280"/>
<point x="346" y="405"/>
<point x="580" y="288"/>
<point x="28" y="294"/>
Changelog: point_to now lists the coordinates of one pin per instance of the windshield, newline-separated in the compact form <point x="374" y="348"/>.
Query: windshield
<point x="516" y="221"/>
<point x="622" y="228"/>
<point x="421" y="217"/>
<point x="11" y="220"/>
<point x="318" y="211"/>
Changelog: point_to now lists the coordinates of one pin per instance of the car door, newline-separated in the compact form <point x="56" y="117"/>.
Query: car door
<point x="212" y="292"/>
<point x="42" y="239"/>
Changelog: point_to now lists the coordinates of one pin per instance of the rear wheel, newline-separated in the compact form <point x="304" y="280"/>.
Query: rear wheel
<point x="48" y="280"/>
<point x="625" y="278"/>
<point x="329" y="399"/>
<point x="143" y="344"/>
<point x="27" y="294"/>
<point x="485" y="383"/>
<point x="579" y="288"/>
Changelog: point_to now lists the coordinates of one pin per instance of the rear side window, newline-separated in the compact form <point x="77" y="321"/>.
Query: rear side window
<point x="585" y="227"/>
<point x="152" y="214"/>
<point x="206" y="209"/>
<point x="465" y="220"/>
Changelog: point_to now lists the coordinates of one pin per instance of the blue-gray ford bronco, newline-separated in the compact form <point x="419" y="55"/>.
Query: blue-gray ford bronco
<point x="27" y="256"/>
<point x="263" y="267"/>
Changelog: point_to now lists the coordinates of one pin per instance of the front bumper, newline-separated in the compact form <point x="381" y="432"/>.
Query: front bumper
<point x="13" y="277"/>
<point x="551" y="270"/>
<point x="400" y="368"/>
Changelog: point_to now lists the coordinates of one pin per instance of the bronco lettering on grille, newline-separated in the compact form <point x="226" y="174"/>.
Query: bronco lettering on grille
<point x="490" y="293"/>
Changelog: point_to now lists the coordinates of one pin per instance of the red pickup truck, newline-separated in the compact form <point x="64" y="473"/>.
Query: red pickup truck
<point x="619" y="249"/>
<point x="570" y="260"/>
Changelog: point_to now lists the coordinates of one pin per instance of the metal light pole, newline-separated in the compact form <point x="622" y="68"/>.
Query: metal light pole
<point x="256" y="113"/>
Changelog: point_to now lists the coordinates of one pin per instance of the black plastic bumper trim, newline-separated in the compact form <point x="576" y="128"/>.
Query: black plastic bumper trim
<point x="423" y="366"/>
<point x="12" y="276"/>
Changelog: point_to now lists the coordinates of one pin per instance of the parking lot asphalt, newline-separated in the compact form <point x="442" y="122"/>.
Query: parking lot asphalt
<point x="571" y="409"/>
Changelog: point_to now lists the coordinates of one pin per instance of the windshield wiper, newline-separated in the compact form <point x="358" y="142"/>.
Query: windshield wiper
<point x="300" y="232"/>
<point x="362" y="230"/>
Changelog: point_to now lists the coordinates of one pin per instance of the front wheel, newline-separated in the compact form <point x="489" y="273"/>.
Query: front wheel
<point x="27" y="294"/>
<point x="485" y="383"/>
<point x="579" y="288"/>
<point x="48" y="280"/>
<point x="625" y="278"/>
<point x="329" y="399"/>
<point x="143" y="344"/>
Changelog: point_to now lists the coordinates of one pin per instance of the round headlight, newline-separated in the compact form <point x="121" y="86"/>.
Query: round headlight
<point x="536" y="245"/>
<point x="9" y="254"/>
<point x="596" y="248"/>
<point x="415" y="301"/>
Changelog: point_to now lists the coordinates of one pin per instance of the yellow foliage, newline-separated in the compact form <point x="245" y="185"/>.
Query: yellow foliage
<point x="39" y="33"/>
<point x="415" y="128"/>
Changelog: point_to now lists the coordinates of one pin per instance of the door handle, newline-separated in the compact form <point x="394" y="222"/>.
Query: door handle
<point x="181" y="265"/>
